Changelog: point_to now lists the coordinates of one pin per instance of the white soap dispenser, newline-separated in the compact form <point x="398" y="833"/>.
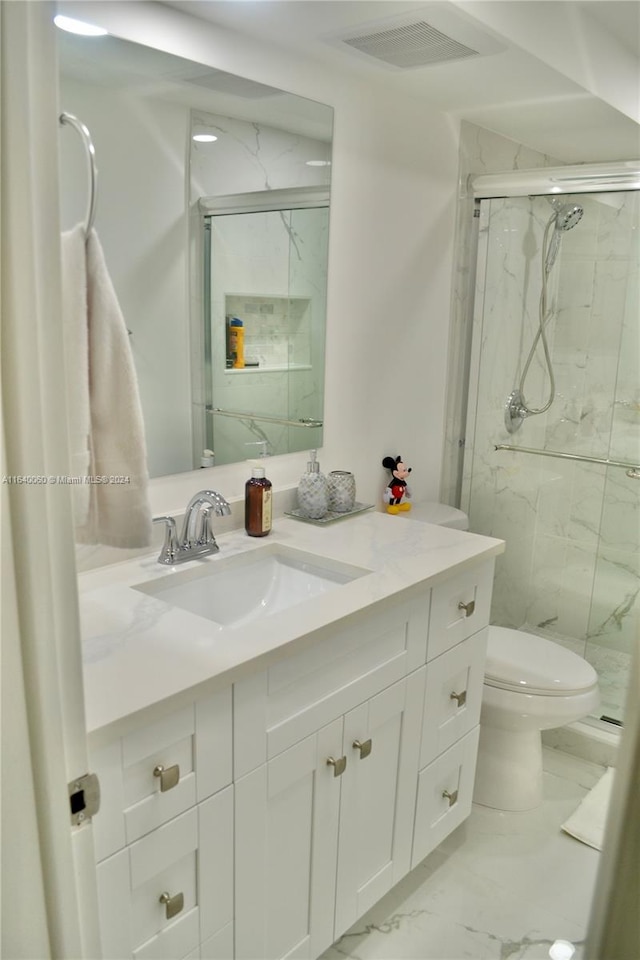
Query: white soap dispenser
<point x="313" y="493"/>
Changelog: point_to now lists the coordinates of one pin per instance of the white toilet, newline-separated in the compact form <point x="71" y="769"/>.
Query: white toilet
<point x="531" y="684"/>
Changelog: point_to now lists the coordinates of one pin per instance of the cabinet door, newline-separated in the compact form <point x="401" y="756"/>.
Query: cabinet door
<point x="215" y="867"/>
<point x="381" y="741"/>
<point x="286" y="847"/>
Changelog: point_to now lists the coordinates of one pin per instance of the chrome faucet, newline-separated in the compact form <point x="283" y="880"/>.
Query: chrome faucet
<point x="196" y="539"/>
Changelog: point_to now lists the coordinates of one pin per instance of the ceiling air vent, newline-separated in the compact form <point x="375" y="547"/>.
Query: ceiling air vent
<point x="414" y="45"/>
<point x="440" y="34"/>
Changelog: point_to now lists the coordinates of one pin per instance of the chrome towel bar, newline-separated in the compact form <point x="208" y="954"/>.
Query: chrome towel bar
<point x="633" y="469"/>
<point x="308" y="422"/>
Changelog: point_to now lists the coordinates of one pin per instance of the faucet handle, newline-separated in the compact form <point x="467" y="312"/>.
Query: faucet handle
<point x="204" y="532"/>
<point x="170" y="545"/>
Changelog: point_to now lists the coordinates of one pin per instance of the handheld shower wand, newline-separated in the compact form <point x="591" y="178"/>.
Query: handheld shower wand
<point x="564" y="217"/>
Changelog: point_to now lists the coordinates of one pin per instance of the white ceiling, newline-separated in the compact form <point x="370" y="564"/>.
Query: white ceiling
<point x="543" y="89"/>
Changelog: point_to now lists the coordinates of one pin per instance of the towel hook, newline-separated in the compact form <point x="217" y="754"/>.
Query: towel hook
<point x="91" y="158"/>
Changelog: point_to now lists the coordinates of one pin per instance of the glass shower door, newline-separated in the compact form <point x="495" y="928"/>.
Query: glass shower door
<point x="571" y="526"/>
<point x="613" y="626"/>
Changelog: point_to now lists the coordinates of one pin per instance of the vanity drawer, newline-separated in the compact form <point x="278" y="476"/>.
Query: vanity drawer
<point x="191" y="860"/>
<point x="459" y="607"/>
<point x="158" y="773"/>
<point x="453" y="695"/>
<point x="160" y="770"/>
<point x="298" y="695"/>
<point x="134" y="920"/>
<point x="445" y="792"/>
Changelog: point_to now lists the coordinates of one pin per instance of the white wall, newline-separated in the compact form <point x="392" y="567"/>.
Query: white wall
<point x="394" y="179"/>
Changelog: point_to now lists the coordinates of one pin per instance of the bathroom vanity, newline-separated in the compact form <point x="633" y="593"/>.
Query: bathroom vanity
<point x="266" y="778"/>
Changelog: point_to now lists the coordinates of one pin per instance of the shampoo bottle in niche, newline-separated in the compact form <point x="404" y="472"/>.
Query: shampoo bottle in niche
<point x="235" y="344"/>
<point x="257" y="503"/>
<point x="313" y="493"/>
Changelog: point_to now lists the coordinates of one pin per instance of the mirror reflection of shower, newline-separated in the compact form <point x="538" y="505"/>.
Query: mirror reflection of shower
<point x="565" y="216"/>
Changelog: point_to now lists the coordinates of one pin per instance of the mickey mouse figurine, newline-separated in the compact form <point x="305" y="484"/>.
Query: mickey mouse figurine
<point x="397" y="493"/>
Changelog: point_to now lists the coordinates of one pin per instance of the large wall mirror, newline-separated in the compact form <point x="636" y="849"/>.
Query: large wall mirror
<point x="211" y="243"/>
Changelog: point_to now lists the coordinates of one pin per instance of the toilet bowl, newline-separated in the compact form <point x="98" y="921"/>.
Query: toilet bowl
<point x="531" y="684"/>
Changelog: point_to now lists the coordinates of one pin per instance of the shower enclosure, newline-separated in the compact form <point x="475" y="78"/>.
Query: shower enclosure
<point x="556" y="472"/>
<point x="265" y="272"/>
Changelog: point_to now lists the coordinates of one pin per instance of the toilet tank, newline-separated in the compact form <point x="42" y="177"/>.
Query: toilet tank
<point x="440" y="513"/>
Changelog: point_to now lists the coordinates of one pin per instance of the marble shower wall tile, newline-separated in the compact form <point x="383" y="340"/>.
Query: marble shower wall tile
<point x="571" y="528"/>
<point x="615" y="605"/>
<point x="481" y="151"/>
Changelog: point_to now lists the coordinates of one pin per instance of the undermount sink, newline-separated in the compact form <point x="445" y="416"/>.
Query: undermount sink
<point x="237" y="590"/>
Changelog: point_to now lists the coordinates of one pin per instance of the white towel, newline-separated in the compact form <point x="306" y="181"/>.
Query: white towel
<point x="76" y="349"/>
<point x="588" y="822"/>
<point x="119" y="512"/>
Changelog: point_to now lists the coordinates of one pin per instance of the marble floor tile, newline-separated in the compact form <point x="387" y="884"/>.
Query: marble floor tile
<point x="503" y="886"/>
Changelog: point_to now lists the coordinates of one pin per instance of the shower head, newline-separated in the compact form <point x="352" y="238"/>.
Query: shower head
<point x="568" y="215"/>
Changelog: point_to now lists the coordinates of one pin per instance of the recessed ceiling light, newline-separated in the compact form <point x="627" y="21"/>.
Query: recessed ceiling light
<point x="204" y="137"/>
<point x="78" y="26"/>
<point x="318" y="163"/>
<point x="562" y="950"/>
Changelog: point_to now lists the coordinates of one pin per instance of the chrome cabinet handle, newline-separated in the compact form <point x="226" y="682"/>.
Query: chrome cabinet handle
<point x="467" y="607"/>
<point x="364" y="747"/>
<point x="168" y="776"/>
<point x="451" y="797"/>
<point x="461" y="698"/>
<point x="339" y="765"/>
<point x="173" y="905"/>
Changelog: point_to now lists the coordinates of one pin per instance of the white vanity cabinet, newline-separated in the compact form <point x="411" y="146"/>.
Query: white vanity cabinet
<point x="164" y="835"/>
<point x="458" y="628"/>
<point x="381" y="741"/>
<point x="324" y="829"/>
<point x="326" y="748"/>
<point x="264" y="819"/>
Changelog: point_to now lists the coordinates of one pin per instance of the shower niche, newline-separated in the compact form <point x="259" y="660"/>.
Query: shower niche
<point x="265" y="275"/>
<point x="277" y="332"/>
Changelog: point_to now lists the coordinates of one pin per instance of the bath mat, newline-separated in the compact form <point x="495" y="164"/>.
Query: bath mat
<point x="588" y="821"/>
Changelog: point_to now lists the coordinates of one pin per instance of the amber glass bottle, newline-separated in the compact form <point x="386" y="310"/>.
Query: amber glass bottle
<point x="257" y="504"/>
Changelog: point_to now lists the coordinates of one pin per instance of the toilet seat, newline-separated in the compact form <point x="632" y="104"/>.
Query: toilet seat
<point x="524" y="663"/>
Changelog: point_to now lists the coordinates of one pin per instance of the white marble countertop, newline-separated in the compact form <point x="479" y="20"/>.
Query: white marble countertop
<point x="138" y="651"/>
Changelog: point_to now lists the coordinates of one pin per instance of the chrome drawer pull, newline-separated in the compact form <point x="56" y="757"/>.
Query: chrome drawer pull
<point x="451" y="797"/>
<point x="461" y="698"/>
<point x="339" y="765"/>
<point x="364" y="748"/>
<point x="173" y="905"/>
<point x="169" y="776"/>
<point x="467" y="607"/>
